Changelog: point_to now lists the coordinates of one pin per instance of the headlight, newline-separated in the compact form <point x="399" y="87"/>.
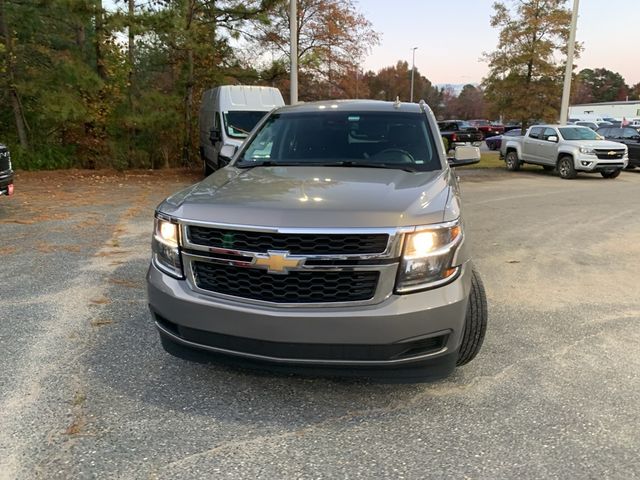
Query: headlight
<point x="587" y="150"/>
<point x="429" y="257"/>
<point x="166" y="247"/>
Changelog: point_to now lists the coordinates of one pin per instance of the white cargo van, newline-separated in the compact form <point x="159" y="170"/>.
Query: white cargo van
<point x="227" y="114"/>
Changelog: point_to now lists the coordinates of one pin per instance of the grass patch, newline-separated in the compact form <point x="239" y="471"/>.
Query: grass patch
<point x="492" y="160"/>
<point x="489" y="160"/>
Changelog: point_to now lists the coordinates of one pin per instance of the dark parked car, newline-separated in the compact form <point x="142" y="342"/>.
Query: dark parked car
<point x="487" y="128"/>
<point x="6" y="172"/>
<point x="459" y="132"/>
<point x="512" y="126"/>
<point x="630" y="137"/>
<point x="493" y="143"/>
<point x="593" y="125"/>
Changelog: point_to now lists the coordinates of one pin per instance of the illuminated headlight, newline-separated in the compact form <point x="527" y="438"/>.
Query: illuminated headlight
<point x="429" y="259"/>
<point x="166" y="247"/>
<point x="587" y="151"/>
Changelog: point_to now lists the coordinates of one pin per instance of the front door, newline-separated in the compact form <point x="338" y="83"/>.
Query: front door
<point x="548" y="150"/>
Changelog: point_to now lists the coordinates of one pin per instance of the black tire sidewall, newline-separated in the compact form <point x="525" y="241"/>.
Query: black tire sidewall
<point x="515" y="166"/>
<point x="475" y="323"/>
<point x="571" y="171"/>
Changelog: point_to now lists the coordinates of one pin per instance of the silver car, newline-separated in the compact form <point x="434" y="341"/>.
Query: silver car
<point x="332" y="243"/>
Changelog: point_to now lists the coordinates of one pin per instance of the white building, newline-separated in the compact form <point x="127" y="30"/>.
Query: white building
<point x="617" y="110"/>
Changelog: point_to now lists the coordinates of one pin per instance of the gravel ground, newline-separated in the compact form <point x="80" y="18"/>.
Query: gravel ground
<point x="87" y="392"/>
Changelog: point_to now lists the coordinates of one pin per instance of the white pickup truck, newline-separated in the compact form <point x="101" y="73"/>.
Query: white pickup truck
<point x="569" y="149"/>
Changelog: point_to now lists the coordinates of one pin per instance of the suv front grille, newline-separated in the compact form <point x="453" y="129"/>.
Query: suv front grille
<point x="295" y="244"/>
<point x="604" y="154"/>
<point x="296" y="287"/>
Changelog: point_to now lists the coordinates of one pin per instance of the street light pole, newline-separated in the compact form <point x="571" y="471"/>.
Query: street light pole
<point x="566" y="91"/>
<point x="293" y="27"/>
<point x="413" y="70"/>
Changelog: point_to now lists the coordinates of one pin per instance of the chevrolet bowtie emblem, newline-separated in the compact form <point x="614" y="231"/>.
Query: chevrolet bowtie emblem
<point x="611" y="153"/>
<point x="277" y="262"/>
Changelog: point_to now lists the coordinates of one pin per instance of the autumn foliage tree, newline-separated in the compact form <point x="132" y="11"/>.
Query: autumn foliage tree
<point x="333" y="38"/>
<point x="598" y="85"/>
<point x="526" y="69"/>
<point x="394" y="82"/>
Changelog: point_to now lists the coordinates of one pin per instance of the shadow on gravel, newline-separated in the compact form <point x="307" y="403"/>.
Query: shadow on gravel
<point x="129" y="362"/>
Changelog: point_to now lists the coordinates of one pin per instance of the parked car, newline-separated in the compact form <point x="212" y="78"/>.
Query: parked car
<point x="459" y="132"/>
<point x="227" y="115"/>
<point x="567" y="148"/>
<point x="6" y="171"/>
<point x="592" y="125"/>
<point x="487" y="128"/>
<point x="332" y="241"/>
<point x="630" y="137"/>
<point x="512" y="126"/>
<point x="493" y="143"/>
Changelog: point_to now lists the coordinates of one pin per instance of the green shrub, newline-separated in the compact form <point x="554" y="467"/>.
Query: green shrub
<point x="42" y="157"/>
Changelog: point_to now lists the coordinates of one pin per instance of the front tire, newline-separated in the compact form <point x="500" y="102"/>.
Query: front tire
<point x="613" y="174"/>
<point x="566" y="169"/>
<point x="512" y="161"/>
<point x="475" y="323"/>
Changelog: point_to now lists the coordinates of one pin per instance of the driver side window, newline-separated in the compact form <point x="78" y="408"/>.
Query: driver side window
<point x="548" y="132"/>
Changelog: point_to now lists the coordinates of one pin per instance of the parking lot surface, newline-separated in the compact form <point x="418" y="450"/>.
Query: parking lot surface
<point x="87" y="392"/>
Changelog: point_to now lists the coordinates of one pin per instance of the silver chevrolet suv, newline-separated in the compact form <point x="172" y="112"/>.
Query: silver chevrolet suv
<point x="332" y="243"/>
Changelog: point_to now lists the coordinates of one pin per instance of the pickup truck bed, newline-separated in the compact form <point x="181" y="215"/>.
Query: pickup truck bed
<point x="458" y="132"/>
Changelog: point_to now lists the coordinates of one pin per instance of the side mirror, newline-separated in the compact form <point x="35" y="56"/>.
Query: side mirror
<point x="215" y="136"/>
<point x="228" y="151"/>
<point x="553" y="138"/>
<point x="464" y="155"/>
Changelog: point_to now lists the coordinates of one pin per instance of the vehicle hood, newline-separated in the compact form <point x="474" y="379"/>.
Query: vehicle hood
<point x="318" y="197"/>
<point x="599" y="144"/>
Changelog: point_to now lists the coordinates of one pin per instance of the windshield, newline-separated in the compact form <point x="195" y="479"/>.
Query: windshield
<point x="578" y="133"/>
<point x="239" y="124"/>
<point x="371" y="139"/>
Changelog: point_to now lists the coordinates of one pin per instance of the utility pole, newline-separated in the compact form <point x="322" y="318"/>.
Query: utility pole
<point x="413" y="70"/>
<point x="566" y="91"/>
<point x="293" y="26"/>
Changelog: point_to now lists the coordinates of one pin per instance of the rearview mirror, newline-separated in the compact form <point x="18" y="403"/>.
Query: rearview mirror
<point x="228" y="151"/>
<point x="215" y="136"/>
<point x="464" y="155"/>
<point x="553" y="138"/>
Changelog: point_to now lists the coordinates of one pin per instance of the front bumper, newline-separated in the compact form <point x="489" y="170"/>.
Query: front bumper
<point x="402" y="331"/>
<point x="591" y="163"/>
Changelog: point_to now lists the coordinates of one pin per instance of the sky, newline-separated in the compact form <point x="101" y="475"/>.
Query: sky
<point x="451" y="36"/>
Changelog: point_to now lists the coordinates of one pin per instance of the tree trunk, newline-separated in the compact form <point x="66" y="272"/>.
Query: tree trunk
<point x="130" y="51"/>
<point x="188" y="94"/>
<point x="130" y="90"/>
<point x="16" y="104"/>
<point x="99" y="41"/>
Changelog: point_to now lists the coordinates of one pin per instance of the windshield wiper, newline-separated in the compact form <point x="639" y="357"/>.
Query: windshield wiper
<point x="390" y="166"/>
<point x="348" y="163"/>
<point x="269" y="163"/>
